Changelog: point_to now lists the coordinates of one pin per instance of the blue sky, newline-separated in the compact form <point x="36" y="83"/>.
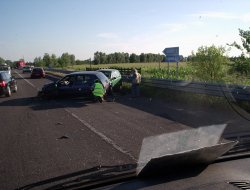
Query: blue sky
<point x="30" y="28"/>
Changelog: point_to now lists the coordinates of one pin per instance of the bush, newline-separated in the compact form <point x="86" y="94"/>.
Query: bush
<point x="208" y="63"/>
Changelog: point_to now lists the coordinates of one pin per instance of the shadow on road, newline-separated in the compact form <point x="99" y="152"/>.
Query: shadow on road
<point x="192" y="115"/>
<point x="38" y="104"/>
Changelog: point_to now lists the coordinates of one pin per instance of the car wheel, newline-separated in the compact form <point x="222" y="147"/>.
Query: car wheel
<point x="8" y="92"/>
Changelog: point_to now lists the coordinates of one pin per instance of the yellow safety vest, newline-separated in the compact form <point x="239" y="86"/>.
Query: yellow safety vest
<point x="99" y="90"/>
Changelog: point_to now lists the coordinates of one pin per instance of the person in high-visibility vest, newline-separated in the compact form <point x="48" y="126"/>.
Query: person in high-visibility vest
<point x="98" y="91"/>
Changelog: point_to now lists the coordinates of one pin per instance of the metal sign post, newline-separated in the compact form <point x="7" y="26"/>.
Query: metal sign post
<point x="177" y="69"/>
<point x="168" y="68"/>
<point x="172" y="55"/>
<point x="90" y="62"/>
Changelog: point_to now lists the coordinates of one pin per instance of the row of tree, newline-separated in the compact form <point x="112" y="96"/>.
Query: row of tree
<point x="67" y="59"/>
<point x="47" y="60"/>
<point x="117" y="57"/>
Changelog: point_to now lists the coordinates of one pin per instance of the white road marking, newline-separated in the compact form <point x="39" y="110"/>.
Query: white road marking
<point x="38" y="89"/>
<point x="103" y="137"/>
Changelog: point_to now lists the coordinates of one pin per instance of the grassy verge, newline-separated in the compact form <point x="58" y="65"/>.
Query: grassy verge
<point x="160" y="65"/>
<point x="162" y="71"/>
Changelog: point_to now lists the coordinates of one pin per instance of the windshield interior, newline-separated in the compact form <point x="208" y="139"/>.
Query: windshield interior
<point x="184" y="65"/>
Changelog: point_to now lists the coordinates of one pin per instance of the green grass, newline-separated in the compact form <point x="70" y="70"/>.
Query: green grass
<point x="162" y="71"/>
<point x="128" y="65"/>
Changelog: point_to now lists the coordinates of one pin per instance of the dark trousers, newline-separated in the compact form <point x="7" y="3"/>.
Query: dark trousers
<point x="135" y="90"/>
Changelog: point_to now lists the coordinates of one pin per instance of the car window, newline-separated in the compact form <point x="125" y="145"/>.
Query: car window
<point x="115" y="74"/>
<point x="107" y="73"/>
<point x="89" y="79"/>
<point x="36" y="70"/>
<point x="5" y="76"/>
<point x="79" y="79"/>
<point x="4" y="68"/>
<point x="103" y="78"/>
<point x="1" y="76"/>
<point x="68" y="80"/>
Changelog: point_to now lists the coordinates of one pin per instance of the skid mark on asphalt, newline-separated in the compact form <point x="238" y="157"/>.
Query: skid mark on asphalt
<point x="103" y="137"/>
<point x="28" y="81"/>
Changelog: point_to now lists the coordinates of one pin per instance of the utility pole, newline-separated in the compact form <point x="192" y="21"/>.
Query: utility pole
<point x="90" y="63"/>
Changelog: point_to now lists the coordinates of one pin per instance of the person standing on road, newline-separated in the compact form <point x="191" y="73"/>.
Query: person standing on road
<point x="98" y="91"/>
<point x="110" y="93"/>
<point x="135" y="83"/>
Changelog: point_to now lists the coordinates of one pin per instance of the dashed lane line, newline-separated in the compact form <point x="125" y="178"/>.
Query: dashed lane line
<point x="38" y="89"/>
<point x="101" y="135"/>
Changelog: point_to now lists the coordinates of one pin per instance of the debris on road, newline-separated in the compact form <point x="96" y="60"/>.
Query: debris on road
<point x="63" y="137"/>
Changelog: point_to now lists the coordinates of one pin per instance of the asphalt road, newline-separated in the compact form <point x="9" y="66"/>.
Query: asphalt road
<point x="42" y="139"/>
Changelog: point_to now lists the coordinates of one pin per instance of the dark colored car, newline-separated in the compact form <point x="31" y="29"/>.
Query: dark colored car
<point x="37" y="72"/>
<point x="7" y="84"/>
<point x="114" y="76"/>
<point x="77" y="84"/>
<point x="27" y="69"/>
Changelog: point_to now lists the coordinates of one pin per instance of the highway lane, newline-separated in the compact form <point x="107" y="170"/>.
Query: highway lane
<point x="41" y="139"/>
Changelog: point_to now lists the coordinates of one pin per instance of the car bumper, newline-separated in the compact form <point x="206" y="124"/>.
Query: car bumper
<point x="37" y="76"/>
<point x="2" y="91"/>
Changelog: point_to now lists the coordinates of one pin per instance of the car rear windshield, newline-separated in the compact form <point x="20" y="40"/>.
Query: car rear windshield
<point x="37" y="70"/>
<point x="106" y="73"/>
<point x="103" y="78"/>
<point x="4" y="76"/>
<point x="4" y="68"/>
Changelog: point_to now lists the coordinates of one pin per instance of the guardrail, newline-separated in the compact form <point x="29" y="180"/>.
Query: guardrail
<point x="214" y="89"/>
<point x="59" y="70"/>
<point x="237" y="92"/>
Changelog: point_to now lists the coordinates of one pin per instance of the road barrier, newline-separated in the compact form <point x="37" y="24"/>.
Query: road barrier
<point x="214" y="89"/>
<point x="230" y="91"/>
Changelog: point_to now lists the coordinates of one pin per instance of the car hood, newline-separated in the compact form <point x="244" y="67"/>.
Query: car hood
<point x="49" y="85"/>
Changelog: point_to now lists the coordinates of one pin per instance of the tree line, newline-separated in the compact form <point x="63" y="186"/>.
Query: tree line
<point x="67" y="59"/>
<point x="47" y="60"/>
<point x="117" y="57"/>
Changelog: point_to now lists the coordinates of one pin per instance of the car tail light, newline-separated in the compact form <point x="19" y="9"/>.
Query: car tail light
<point x="3" y="83"/>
